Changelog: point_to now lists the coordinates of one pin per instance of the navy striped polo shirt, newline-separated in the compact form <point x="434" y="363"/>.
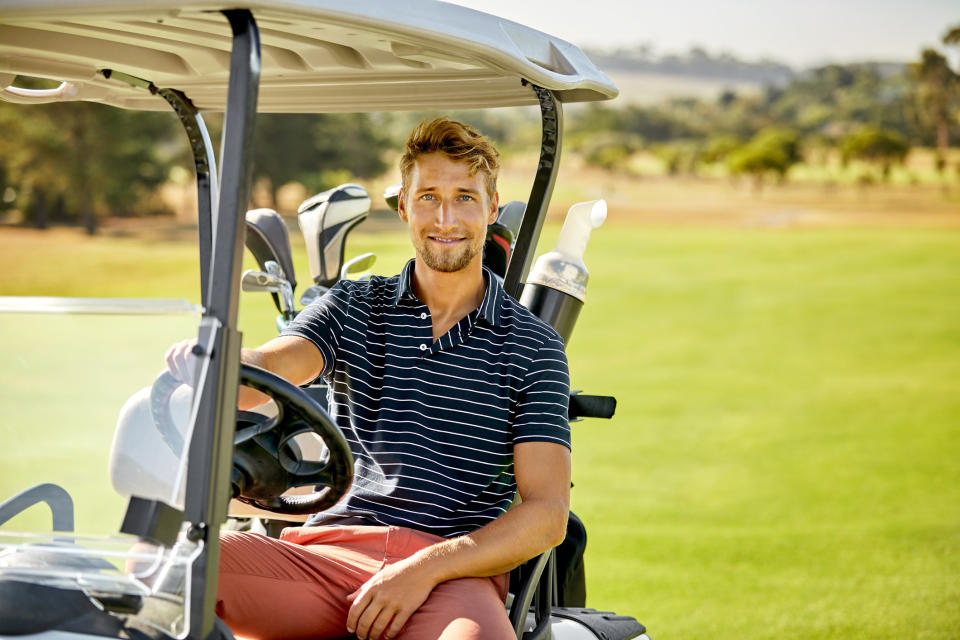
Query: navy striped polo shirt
<point x="432" y="424"/>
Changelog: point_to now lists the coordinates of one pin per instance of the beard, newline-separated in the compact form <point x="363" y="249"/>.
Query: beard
<point x="449" y="259"/>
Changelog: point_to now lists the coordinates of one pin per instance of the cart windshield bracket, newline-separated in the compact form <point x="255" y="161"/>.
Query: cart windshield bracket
<point x="551" y="114"/>
<point x="204" y="162"/>
<point x="206" y="167"/>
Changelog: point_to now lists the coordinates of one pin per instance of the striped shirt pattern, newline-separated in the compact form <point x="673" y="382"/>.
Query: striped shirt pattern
<point x="432" y="424"/>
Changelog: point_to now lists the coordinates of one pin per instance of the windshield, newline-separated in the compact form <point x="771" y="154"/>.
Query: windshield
<point x="87" y="420"/>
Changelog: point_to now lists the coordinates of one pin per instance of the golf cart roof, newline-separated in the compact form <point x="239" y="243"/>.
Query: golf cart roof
<point x="318" y="55"/>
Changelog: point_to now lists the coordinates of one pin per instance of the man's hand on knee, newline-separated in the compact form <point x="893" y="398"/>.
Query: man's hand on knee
<point x="387" y="600"/>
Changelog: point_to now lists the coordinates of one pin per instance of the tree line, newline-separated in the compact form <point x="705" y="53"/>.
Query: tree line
<point x="75" y="163"/>
<point x="70" y="163"/>
<point x="868" y="112"/>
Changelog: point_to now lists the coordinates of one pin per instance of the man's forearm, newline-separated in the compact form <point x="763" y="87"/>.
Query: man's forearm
<point x="522" y="533"/>
<point x="294" y="359"/>
<point x="538" y="523"/>
<point x="248" y="398"/>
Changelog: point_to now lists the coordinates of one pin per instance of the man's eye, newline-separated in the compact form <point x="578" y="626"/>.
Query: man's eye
<point x="466" y="198"/>
<point x="427" y="196"/>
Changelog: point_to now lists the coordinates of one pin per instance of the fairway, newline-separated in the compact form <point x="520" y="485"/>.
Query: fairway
<point x="785" y="458"/>
<point x="784" y="462"/>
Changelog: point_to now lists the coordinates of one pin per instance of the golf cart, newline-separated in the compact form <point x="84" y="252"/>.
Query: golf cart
<point x="137" y="502"/>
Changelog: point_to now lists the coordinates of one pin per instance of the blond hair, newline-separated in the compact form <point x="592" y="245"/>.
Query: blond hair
<point x="457" y="141"/>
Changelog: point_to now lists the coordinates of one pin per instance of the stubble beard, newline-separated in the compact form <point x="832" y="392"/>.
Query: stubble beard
<point x="448" y="261"/>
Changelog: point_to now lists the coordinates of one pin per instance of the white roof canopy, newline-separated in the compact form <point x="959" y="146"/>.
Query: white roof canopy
<point x="321" y="55"/>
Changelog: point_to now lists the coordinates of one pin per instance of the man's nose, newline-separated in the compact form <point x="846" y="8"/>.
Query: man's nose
<point x="445" y="214"/>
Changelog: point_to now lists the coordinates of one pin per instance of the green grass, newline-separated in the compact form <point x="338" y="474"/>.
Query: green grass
<point x="785" y="458"/>
<point x="784" y="462"/>
<point x="63" y="382"/>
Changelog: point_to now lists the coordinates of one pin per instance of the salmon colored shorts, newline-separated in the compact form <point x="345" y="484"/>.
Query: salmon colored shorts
<point x="297" y="587"/>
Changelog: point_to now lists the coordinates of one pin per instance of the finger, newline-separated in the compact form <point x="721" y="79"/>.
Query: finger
<point x="368" y="609"/>
<point x="170" y="357"/>
<point x="359" y="600"/>
<point x="191" y="360"/>
<point x="180" y="361"/>
<point x="379" y="627"/>
<point x="179" y="358"/>
<point x="396" y="625"/>
<point x="373" y="622"/>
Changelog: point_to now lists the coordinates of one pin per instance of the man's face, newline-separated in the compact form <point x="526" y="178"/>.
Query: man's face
<point x="448" y="211"/>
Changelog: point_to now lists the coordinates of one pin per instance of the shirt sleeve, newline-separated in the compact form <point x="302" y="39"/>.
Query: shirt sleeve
<point x="541" y="413"/>
<point x="322" y="324"/>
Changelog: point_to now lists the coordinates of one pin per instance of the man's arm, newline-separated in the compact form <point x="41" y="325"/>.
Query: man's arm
<point x="385" y="602"/>
<point x="291" y="357"/>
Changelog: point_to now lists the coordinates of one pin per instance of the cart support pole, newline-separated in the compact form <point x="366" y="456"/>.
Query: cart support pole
<point x="551" y="113"/>
<point x="206" y="167"/>
<point x="211" y="445"/>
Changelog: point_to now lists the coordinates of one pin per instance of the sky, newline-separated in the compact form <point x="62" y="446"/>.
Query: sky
<point x="801" y="33"/>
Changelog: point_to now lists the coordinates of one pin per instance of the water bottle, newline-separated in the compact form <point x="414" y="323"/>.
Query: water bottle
<point x="557" y="286"/>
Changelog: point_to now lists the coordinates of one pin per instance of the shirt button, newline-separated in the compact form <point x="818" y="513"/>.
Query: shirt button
<point x="423" y="347"/>
<point x="423" y="316"/>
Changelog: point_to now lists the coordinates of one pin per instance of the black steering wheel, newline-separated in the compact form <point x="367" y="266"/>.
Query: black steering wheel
<point x="267" y="460"/>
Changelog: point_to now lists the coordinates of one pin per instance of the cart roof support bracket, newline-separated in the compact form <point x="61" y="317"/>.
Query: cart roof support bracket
<point x="204" y="162"/>
<point x="551" y="114"/>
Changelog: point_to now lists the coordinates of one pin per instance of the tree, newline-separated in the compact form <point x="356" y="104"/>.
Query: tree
<point x="93" y="158"/>
<point x="608" y="150"/>
<point x="952" y="36"/>
<point x="719" y="147"/>
<point x="315" y="149"/>
<point x="30" y="155"/>
<point x="936" y="89"/>
<point x="727" y="97"/>
<point x="649" y="123"/>
<point x="875" y="145"/>
<point x="770" y="151"/>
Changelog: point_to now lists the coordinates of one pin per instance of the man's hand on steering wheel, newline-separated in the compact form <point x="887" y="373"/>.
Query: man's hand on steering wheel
<point x="267" y="459"/>
<point x="182" y="363"/>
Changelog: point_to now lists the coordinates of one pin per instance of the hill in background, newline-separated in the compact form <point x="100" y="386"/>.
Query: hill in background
<point x="645" y="77"/>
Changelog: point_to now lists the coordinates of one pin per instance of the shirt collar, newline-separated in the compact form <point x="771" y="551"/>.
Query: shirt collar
<point x="490" y="308"/>
<point x="405" y="288"/>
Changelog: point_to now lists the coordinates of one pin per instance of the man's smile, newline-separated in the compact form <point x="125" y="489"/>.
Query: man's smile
<point x="447" y="240"/>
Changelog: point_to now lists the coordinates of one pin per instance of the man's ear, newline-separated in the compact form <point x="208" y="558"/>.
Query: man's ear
<point x="401" y="207"/>
<point x="494" y="207"/>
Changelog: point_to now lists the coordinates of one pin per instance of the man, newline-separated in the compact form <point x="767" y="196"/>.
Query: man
<point x="453" y="399"/>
